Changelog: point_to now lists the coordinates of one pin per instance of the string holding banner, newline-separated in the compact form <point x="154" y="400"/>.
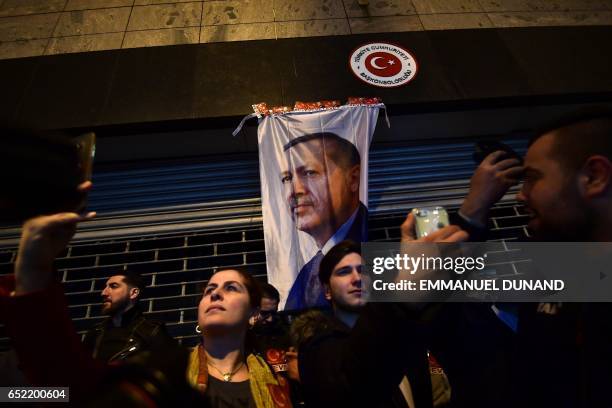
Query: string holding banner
<point x="314" y="176"/>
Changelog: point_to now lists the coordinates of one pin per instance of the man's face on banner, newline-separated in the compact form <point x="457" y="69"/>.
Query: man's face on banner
<point x="321" y="194"/>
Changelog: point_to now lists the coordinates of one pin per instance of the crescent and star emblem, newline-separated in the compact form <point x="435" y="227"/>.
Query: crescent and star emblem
<point x="383" y="65"/>
<point x="375" y="65"/>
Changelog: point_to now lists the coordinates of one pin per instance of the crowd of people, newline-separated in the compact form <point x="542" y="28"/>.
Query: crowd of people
<point x="357" y="354"/>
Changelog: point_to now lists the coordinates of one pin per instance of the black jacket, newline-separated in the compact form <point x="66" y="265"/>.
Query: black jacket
<point x="363" y="366"/>
<point x="136" y="333"/>
<point x="556" y="360"/>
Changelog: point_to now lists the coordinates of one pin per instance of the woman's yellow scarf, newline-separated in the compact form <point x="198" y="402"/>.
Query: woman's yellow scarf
<point x="268" y="390"/>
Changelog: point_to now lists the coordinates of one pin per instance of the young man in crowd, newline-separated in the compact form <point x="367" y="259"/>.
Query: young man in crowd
<point x="345" y="287"/>
<point x="367" y="355"/>
<point x="126" y="331"/>
<point x="270" y="332"/>
<point x="270" y="298"/>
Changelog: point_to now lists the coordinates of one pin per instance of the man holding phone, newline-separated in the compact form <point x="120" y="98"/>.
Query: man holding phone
<point x="567" y="192"/>
<point x="459" y="330"/>
<point x="544" y="355"/>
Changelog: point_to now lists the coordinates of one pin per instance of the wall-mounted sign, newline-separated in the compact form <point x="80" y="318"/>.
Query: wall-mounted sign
<point x="384" y="65"/>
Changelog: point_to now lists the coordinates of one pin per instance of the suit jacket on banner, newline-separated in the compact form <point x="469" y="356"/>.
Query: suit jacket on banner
<point x="307" y="290"/>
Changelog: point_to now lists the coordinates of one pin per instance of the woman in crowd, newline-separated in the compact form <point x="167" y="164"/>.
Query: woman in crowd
<point x="220" y="366"/>
<point x="33" y="303"/>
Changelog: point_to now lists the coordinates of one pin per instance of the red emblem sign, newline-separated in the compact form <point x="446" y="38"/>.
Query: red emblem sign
<point x="383" y="65"/>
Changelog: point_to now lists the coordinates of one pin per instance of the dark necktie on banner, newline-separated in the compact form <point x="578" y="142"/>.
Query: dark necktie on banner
<point x="314" y="175"/>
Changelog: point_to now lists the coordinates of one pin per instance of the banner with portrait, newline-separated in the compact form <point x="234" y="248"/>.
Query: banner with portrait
<point x="314" y="178"/>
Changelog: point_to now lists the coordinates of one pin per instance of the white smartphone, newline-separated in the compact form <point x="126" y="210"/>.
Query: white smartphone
<point x="429" y="219"/>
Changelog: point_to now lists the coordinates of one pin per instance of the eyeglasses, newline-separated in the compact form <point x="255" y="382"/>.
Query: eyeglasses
<point x="264" y="314"/>
<point x="346" y="270"/>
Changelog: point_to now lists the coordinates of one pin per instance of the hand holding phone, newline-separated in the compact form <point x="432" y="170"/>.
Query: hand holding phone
<point x="86" y="150"/>
<point x="43" y="173"/>
<point x="429" y="219"/>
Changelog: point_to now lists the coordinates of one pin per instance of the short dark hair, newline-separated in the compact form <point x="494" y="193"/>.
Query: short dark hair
<point x="133" y="279"/>
<point x="268" y="291"/>
<point x="334" y="256"/>
<point x="308" y="325"/>
<point x="342" y="152"/>
<point x="579" y="135"/>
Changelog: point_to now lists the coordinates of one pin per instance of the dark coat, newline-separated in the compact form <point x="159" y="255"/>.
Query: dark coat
<point x="136" y="334"/>
<point x="552" y="360"/>
<point x="363" y="366"/>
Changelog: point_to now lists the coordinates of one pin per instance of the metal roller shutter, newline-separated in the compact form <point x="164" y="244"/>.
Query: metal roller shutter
<point x="177" y="223"/>
<point x="182" y="197"/>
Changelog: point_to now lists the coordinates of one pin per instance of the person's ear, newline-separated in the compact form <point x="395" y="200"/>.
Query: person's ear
<point x="595" y="176"/>
<point x="134" y="293"/>
<point x="327" y="291"/>
<point x="354" y="177"/>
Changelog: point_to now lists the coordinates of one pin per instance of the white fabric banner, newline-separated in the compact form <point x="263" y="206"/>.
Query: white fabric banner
<point x="314" y="178"/>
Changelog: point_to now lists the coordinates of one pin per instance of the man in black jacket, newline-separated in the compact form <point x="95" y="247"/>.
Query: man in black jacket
<point x="370" y="355"/>
<point x="560" y="353"/>
<point x="126" y="331"/>
<point x="568" y="194"/>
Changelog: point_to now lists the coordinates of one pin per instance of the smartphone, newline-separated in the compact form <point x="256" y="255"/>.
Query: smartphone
<point x="86" y="150"/>
<point x="41" y="173"/>
<point x="485" y="148"/>
<point x="429" y="219"/>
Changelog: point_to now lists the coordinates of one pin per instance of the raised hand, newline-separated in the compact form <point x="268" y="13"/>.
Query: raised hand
<point x="43" y="238"/>
<point x="489" y="183"/>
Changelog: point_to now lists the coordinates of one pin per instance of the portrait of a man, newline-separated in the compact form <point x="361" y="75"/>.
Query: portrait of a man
<point x="321" y="175"/>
